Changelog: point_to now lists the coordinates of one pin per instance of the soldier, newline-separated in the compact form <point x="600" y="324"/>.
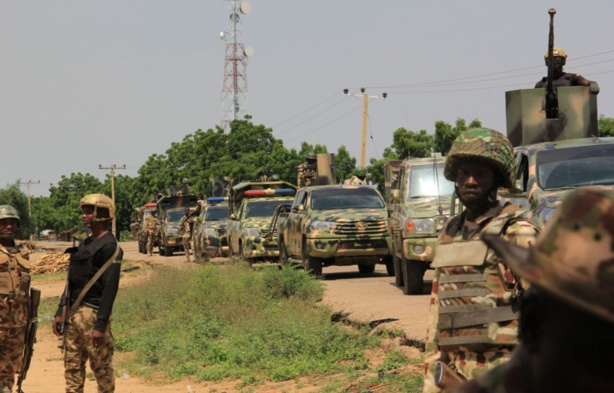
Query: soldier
<point x="151" y="227"/>
<point x="185" y="231"/>
<point x="472" y="326"/>
<point x="562" y="79"/>
<point x="359" y="178"/>
<point x="14" y="297"/>
<point x="184" y="189"/>
<point x="567" y="316"/>
<point x="91" y="287"/>
<point x="307" y="171"/>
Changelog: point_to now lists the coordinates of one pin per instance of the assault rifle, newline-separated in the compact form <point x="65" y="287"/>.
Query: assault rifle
<point x="31" y="327"/>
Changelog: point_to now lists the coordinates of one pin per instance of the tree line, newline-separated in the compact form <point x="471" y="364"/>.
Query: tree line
<point x="241" y="153"/>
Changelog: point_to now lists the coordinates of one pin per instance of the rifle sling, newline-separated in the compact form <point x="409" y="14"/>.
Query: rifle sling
<point x="87" y="287"/>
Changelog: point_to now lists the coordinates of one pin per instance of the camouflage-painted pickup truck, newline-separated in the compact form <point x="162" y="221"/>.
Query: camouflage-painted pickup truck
<point x="335" y="225"/>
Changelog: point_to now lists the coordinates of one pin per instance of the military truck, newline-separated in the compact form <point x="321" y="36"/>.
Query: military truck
<point x="210" y="230"/>
<point x="251" y="208"/>
<point x="419" y="204"/>
<point x="335" y="225"/>
<point x="170" y="210"/>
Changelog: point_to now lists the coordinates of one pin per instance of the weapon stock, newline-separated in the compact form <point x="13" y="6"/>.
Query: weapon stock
<point x="552" y="103"/>
<point x="31" y="327"/>
<point x="445" y="377"/>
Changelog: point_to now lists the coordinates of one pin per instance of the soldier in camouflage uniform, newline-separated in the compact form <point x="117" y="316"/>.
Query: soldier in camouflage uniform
<point x="185" y="231"/>
<point x="151" y="226"/>
<point x="359" y="178"/>
<point x="306" y="172"/>
<point x="14" y="297"/>
<point x="88" y="331"/>
<point x="472" y="325"/>
<point x="567" y="316"/>
<point x="561" y="78"/>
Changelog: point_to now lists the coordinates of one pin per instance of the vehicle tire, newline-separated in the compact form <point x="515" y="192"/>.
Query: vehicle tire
<point x="168" y="251"/>
<point x="366" y="269"/>
<point x="283" y="254"/>
<point x="413" y="275"/>
<point x="312" y="265"/>
<point x="389" y="265"/>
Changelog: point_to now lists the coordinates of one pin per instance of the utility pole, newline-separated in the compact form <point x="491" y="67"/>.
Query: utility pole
<point x="113" y="167"/>
<point x="365" y="116"/>
<point x="29" y="184"/>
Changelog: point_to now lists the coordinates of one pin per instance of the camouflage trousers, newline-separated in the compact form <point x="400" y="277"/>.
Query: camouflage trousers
<point x="80" y="348"/>
<point x="151" y="239"/>
<point x="11" y="350"/>
<point x="467" y="363"/>
<point x="185" y="240"/>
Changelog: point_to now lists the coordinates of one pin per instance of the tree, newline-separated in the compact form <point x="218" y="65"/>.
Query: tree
<point x="345" y="164"/>
<point x="606" y="126"/>
<point x="65" y="197"/>
<point x="411" y="144"/>
<point x="445" y="134"/>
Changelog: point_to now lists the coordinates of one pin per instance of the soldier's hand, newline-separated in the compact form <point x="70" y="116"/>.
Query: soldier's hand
<point x="98" y="338"/>
<point x="57" y="326"/>
<point x="594" y="88"/>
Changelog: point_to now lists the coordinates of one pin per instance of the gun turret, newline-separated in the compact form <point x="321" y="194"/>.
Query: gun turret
<point x="552" y="102"/>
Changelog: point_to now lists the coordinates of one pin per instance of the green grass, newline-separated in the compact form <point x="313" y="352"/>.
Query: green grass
<point x="229" y="322"/>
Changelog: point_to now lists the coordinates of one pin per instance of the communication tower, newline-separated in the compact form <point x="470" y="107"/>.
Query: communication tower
<point x="234" y="88"/>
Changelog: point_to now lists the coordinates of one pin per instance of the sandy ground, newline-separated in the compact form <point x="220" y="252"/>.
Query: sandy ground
<point x="364" y="298"/>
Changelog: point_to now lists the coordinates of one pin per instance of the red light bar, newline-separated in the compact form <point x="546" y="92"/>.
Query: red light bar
<point x="270" y="192"/>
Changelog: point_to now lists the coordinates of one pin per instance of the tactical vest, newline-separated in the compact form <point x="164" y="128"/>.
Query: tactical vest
<point x="475" y="310"/>
<point x="14" y="288"/>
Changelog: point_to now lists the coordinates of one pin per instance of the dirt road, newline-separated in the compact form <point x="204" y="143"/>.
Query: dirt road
<point x="365" y="298"/>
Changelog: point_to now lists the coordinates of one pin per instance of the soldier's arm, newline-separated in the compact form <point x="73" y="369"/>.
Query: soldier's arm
<point x="110" y="279"/>
<point x="579" y="80"/>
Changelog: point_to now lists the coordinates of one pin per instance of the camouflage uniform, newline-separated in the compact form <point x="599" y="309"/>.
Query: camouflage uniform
<point x="14" y="295"/>
<point x="354" y="181"/>
<point x="564" y="79"/>
<point x="305" y="175"/>
<point x="472" y="326"/>
<point x="571" y="261"/>
<point x="151" y="226"/>
<point x="185" y="231"/>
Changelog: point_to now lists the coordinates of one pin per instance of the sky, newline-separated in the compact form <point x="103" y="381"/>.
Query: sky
<point x="87" y="83"/>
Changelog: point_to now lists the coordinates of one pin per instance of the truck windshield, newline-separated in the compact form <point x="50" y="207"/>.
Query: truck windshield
<point x="216" y="213"/>
<point x="577" y="166"/>
<point x="174" y="215"/>
<point x="346" y="198"/>
<point x="423" y="183"/>
<point x="257" y="208"/>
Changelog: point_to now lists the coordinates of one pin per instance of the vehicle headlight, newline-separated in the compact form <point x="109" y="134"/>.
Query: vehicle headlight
<point x="323" y="226"/>
<point x="172" y="231"/>
<point x="252" y="232"/>
<point x="419" y="225"/>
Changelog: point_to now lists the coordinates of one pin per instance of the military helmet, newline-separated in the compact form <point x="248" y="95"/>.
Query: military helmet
<point x="483" y="145"/>
<point x="99" y="201"/>
<point x="275" y="177"/>
<point x="185" y="180"/>
<point x="557" y="52"/>
<point x="311" y="156"/>
<point x="572" y="257"/>
<point x="361" y="172"/>
<point x="8" y="211"/>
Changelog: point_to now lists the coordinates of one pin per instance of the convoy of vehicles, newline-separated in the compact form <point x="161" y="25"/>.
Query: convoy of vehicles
<point x="335" y="225"/>
<point x="210" y="229"/>
<point x="419" y="205"/>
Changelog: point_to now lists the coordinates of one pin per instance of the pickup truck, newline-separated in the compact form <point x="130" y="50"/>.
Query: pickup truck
<point x="335" y="225"/>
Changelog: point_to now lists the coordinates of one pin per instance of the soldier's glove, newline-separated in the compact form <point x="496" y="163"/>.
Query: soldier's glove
<point x="594" y="87"/>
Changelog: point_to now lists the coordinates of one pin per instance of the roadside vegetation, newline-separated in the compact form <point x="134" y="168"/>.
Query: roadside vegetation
<point x="230" y="322"/>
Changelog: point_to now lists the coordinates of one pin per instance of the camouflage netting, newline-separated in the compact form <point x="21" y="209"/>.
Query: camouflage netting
<point x="486" y="146"/>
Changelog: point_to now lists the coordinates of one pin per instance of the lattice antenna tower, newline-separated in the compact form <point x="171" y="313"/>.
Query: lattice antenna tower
<point x="234" y="89"/>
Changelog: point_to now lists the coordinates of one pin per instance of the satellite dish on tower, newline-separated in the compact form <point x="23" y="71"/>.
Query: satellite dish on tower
<point x="245" y="8"/>
<point x="248" y="51"/>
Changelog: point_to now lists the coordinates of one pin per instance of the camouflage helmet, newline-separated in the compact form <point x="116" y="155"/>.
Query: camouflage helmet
<point x="311" y="156"/>
<point x="483" y="145"/>
<point x="361" y="172"/>
<point x="275" y="177"/>
<point x="185" y="180"/>
<point x="99" y="201"/>
<point x="8" y="211"/>
<point x="573" y="256"/>
<point x="557" y="52"/>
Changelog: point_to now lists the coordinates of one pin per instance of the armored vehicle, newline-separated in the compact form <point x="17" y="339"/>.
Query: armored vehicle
<point x="335" y="225"/>
<point x="419" y="204"/>
<point x="210" y="229"/>
<point x="251" y="208"/>
<point x="170" y="210"/>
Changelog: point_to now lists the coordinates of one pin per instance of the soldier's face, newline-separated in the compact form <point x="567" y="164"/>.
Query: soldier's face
<point x="8" y="227"/>
<point x="474" y="180"/>
<point x="87" y="215"/>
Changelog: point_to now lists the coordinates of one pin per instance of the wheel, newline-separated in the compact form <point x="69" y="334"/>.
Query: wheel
<point x="283" y="253"/>
<point x="389" y="265"/>
<point x="413" y="275"/>
<point x="312" y="265"/>
<point x="366" y="269"/>
<point x="168" y="251"/>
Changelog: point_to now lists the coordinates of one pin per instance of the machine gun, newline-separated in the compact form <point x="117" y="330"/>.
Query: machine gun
<point x="31" y="327"/>
<point x="552" y="102"/>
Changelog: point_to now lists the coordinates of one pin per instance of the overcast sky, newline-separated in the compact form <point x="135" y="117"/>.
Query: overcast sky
<point x="84" y="82"/>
